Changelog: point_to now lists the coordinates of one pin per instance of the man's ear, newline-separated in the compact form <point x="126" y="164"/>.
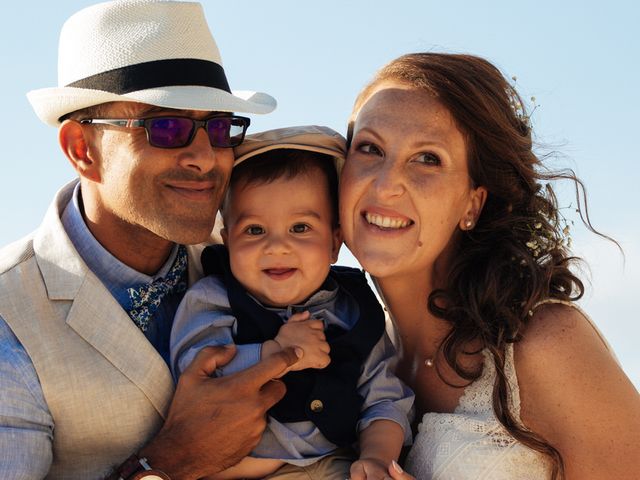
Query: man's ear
<point x="336" y="243"/>
<point x="71" y="136"/>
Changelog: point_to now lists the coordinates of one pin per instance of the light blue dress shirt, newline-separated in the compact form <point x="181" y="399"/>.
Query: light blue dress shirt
<point x="26" y="425"/>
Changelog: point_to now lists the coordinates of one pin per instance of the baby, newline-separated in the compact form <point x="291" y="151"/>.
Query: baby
<point x="272" y="286"/>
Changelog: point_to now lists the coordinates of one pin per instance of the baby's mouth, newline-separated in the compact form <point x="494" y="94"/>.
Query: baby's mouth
<point x="279" y="273"/>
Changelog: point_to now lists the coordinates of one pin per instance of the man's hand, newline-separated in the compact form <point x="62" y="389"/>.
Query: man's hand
<point x="308" y="334"/>
<point x="215" y="422"/>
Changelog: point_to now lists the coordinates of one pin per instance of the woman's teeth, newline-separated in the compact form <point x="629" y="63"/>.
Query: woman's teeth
<point x="386" y="222"/>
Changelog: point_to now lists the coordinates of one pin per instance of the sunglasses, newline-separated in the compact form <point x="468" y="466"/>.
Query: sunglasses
<point x="176" y="132"/>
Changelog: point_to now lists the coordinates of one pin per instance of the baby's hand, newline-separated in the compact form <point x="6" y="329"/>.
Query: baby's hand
<point x="308" y="334"/>
<point x="369" y="469"/>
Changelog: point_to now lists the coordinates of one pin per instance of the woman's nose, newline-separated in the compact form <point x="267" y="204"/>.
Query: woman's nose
<point x="388" y="180"/>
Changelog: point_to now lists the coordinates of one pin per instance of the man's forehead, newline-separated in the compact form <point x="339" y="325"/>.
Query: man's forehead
<point x="140" y="110"/>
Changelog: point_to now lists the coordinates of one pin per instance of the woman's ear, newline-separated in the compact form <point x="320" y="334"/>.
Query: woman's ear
<point x="478" y="197"/>
<point x="73" y="142"/>
<point x="224" y="235"/>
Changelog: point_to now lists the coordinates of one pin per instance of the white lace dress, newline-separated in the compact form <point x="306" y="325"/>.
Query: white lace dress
<point x="470" y="443"/>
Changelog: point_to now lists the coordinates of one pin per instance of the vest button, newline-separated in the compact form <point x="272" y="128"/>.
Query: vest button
<point x="316" y="406"/>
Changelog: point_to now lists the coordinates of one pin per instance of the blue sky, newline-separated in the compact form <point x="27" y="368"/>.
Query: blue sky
<point x="580" y="59"/>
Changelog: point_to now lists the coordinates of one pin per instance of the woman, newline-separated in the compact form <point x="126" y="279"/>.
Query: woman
<point x="445" y="204"/>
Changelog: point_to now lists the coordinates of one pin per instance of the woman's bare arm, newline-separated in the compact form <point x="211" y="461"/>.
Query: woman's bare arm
<point x="576" y="396"/>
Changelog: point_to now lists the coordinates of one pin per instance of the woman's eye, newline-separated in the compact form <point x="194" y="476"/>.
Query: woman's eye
<point x="369" y="148"/>
<point x="300" y="228"/>
<point x="428" y="159"/>
<point x="254" y="230"/>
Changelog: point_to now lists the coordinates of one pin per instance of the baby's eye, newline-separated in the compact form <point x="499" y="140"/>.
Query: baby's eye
<point x="428" y="158"/>
<point x="369" y="148"/>
<point x="300" y="228"/>
<point x="254" y="230"/>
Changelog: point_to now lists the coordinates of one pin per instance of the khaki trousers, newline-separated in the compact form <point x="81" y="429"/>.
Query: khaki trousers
<point x="332" y="467"/>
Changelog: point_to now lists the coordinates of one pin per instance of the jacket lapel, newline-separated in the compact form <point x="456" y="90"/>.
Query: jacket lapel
<point x="95" y="315"/>
<point x="98" y="318"/>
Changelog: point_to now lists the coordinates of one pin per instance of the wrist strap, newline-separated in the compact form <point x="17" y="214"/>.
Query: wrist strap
<point x="129" y="468"/>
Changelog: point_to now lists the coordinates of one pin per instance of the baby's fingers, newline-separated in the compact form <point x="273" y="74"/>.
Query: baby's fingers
<point x="357" y="471"/>
<point x="299" y="317"/>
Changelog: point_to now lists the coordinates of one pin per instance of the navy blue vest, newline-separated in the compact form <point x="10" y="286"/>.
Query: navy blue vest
<point x="327" y="397"/>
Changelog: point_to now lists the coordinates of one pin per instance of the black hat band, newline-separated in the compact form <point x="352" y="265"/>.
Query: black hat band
<point x="158" y="73"/>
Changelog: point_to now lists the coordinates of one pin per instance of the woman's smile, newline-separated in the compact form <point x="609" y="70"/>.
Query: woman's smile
<point x="385" y="222"/>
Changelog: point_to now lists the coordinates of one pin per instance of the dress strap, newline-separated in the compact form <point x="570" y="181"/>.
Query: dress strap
<point x="512" y="378"/>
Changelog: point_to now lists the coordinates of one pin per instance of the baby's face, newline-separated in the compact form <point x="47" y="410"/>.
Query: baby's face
<point x="280" y="239"/>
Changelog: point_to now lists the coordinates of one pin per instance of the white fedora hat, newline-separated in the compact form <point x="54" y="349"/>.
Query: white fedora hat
<point x="150" y="51"/>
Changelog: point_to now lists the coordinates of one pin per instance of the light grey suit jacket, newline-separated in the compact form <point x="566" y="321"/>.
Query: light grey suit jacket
<point x="106" y="386"/>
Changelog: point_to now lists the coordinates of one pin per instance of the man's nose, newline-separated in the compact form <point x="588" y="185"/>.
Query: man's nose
<point x="202" y="157"/>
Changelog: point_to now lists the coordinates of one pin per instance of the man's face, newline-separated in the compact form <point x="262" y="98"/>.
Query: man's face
<point x="171" y="193"/>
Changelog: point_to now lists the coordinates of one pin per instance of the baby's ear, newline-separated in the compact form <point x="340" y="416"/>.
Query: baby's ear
<point x="225" y="235"/>
<point x="336" y="243"/>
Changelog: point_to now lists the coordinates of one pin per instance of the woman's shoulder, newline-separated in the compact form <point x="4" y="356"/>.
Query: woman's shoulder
<point x="560" y="333"/>
<point x="555" y="327"/>
<point x="560" y="343"/>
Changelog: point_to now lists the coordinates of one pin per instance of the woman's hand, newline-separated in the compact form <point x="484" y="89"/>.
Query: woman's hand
<point x="368" y="469"/>
<point x="396" y="472"/>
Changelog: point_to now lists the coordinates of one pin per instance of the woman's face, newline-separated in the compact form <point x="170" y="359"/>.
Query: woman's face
<point x="405" y="188"/>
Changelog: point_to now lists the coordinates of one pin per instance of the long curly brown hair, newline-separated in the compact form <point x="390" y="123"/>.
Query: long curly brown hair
<point x="517" y="255"/>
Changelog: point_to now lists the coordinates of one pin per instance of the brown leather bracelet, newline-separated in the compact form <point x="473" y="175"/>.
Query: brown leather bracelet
<point x="136" y="468"/>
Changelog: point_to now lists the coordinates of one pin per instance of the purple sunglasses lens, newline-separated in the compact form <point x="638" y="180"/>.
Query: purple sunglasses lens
<point x="218" y="131"/>
<point x="225" y="132"/>
<point x="169" y="132"/>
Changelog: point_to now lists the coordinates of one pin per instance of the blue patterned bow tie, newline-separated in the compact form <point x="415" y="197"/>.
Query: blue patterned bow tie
<point x="146" y="298"/>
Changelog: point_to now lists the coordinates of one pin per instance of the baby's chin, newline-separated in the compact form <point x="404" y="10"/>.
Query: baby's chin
<point x="283" y="297"/>
<point x="286" y="299"/>
<point x="284" y="302"/>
